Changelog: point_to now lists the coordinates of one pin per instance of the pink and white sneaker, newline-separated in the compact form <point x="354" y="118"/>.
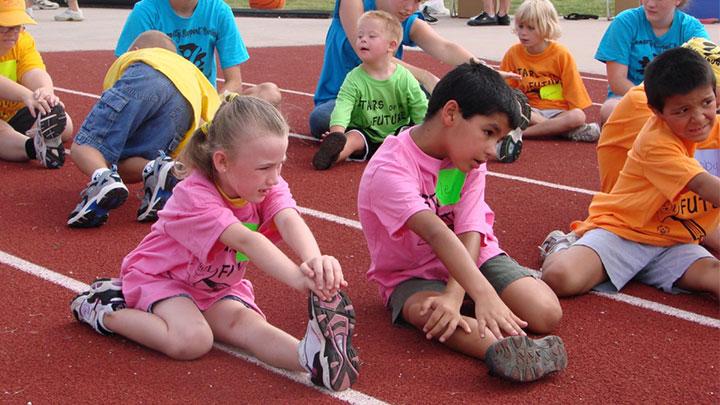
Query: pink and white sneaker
<point x="326" y="351"/>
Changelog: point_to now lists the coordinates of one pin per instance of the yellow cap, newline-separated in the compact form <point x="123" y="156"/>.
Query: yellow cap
<point x="12" y="13"/>
<point x="708" y="50"/>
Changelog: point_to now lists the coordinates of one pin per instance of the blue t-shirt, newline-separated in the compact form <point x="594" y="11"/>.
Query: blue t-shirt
<point x="211" y="26"/>
<point x="340" y="57"/>
<point x="630" y="40"/>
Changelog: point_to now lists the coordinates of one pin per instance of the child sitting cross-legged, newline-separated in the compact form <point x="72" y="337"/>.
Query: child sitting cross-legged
<point x="376" y="99"/>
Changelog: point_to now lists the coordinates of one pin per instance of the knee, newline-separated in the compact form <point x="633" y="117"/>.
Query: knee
<point x="190" y="344"/>
<point x="577" y="117"/>
<point x="547" y="316"/>
<point x="606" y="109"/>
<point x="558" y="275"/>
<point x="269" y="92"/>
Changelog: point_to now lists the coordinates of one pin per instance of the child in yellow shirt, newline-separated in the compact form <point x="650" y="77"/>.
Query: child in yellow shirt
<point x="550" y="78"/>
<point x="664" y="203"/>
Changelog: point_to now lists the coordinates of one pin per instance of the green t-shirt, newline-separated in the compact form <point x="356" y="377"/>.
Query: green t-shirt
<point x="379" y="107"/>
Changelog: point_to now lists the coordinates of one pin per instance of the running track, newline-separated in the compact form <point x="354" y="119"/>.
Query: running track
<point x="641" y="345"/>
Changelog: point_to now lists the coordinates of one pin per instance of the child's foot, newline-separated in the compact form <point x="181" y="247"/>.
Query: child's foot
<point x="47" y="139"/>
<point x="525" y="108"/>
<point x="509" y="148"/>
<point x="104" y="192"/>
<point x="90" y="307"/>
<point x="329" y="151"/>
<point x="159" y="182"/>
<point x="326" y="350"/>
<point x="555" y="241"/>
<point x="585" y="133"/>
<point x="519" y="358"/>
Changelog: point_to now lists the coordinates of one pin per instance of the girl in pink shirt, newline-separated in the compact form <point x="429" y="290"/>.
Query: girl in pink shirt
<point x="184" y="286"/>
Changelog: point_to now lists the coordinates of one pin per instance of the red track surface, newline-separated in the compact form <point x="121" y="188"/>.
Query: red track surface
<point x="618" y="352"/>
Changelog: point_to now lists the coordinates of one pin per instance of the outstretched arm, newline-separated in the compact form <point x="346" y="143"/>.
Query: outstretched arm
<point x="707" y="187"/>
<point x="233" y="79"/>
<point x="617" y="78"/>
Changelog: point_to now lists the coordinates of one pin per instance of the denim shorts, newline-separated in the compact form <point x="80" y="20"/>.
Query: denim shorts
<point x="141" y="114"/>
<point x="500" y="271"/>
<point x="625" y="260"/>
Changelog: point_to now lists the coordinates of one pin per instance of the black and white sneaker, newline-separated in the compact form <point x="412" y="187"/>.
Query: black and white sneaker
<point x="47" y="137"/>
<point x="90" y="307"/>
<point x="159" y="182"/>
<point x="429" y="18"/>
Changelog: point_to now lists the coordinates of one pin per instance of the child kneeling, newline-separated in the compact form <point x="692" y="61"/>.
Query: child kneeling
<point x="184" y="286"/>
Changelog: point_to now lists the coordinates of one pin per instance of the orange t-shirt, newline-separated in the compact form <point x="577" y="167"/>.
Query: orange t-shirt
<point x="620" y="131"/>
<point x="20" y="59"/>
<point x="550" y="79"/>
<point x="650" y="202"/>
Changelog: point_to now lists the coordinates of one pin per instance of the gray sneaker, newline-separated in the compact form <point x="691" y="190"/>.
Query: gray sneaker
<point x="91" y="306"/>
<point x="159" y="182"/>
<point x="585" y="133"/>
<point x="555" y="241"/>
<point x="47" y="137"/>
<point x="521" y="359"/>
<point x="102" y="194"/>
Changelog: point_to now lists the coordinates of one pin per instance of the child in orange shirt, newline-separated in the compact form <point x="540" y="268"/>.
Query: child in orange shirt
<point x="550" y="78"/>
<point x="664" y="203"/>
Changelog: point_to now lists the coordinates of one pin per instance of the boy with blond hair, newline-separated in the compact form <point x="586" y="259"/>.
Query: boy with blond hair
<point x="376" y="99"/>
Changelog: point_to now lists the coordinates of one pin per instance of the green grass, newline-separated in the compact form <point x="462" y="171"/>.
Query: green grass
<point x="563" y="7"/>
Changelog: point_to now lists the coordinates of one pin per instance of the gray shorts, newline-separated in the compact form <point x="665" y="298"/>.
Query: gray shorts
<point x="548" y="113"/>
<point x="500" y="271"/>
<point x="625" y="260"/>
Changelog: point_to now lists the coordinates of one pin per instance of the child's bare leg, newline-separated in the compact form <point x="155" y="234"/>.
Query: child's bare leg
<point x="572" y="271"/>
<point x="235" y="324"/>
<point x="67" y="133"/>
<point x="176" y="327"/>
<point x="12" y="144"/>
<point x="471" y="344"/>
<point x="534" y="302"/>
<point x="355" y="143"/>
<point x="267" y="91"/>
<point x="607" y="108"/>
<point x="703" y="275"/>
<point x="88" y="159"/>
<point x="131" y="169"/>
<point x="558" y="125"/>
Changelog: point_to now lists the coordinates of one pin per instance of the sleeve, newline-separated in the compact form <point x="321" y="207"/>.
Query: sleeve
<point x="140" y="20"/>
<point x="472" y="212"/>
<point x="230" y="45"/>
<point x="345" y="102"/>
<point x="693" y="28"/>
<point x="416" y="99"/>
<point x="574" y="90"/>
<point x="195" y="219"/>
<point x="615" y="43"/>
<point x="28" y="56"/>
<point x="398" y="197"/>
<point x="669" y="168"/>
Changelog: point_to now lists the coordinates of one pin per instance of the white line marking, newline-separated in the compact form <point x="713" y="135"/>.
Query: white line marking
<point x="351" y="396"/>
<point x="542" y="183"/>
<point x="663" y="309"/>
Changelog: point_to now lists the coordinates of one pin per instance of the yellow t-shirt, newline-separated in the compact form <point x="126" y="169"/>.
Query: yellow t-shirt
<point x="620" y="131"/>
<point x="650" y="202"/>
<point x="186" y="77"/>
<point x="19" y="60"/>
<point x="550" y="79"/>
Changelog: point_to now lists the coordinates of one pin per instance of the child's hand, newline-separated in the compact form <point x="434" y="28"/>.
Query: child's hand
<point x="324" y="274"/>
<point x="492" y="313"/>
<point x="323" y="136"/>
<point x="445" y="317"/>
<point x="46" y="94"/>
<point x="509" y="75"/>
<point x="36" y="105"/>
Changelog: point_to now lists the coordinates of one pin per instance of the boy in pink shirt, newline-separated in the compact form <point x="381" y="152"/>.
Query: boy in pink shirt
<point x="429" y="230"/>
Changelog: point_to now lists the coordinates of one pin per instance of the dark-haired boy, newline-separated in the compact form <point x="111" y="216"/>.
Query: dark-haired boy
<point x="664" y="203"/>
<point x="428" y="228"/>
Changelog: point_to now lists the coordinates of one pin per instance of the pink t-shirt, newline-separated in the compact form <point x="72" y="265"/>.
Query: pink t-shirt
<point x="400" y="181"/>
<point x="182" y="254"/>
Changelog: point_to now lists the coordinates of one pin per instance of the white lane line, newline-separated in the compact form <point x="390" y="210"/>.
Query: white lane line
<point x="542" y="183"/>
<point x="350" y="396"/>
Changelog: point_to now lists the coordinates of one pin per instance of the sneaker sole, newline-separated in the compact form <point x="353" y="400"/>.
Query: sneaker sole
<point x="156" y="204"/>
<point x="87" y="217"/>
<point x="335" y="322"/>
<point x="52" y="124"/>
<point x="329" y="151"/>
<point x="521" y="359"/>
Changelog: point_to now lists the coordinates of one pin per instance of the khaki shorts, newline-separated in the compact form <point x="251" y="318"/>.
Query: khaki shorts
<point x="500" y="271"/>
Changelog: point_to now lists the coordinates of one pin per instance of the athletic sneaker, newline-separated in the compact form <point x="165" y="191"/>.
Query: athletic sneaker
<point x="521" y="359"/>
<point x="47" y="137"/>
<point x="326" y="350"/>
<point x="482" y="19"/>
<point x="525" y="108"/>
<point x="329" y="151"/>
<point x="555" y="241"/>
<point x="45" y="5"/>
<point x="159" y="182"/>
<point x="91" y="306"/>
<point x="503" y="19"/>
<point x="70" y="15"/>
<point x="509" y="148"/>
<point x="427" y="16"/>
<point x="585" y="133"/>
<point x="104" y="192"/>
